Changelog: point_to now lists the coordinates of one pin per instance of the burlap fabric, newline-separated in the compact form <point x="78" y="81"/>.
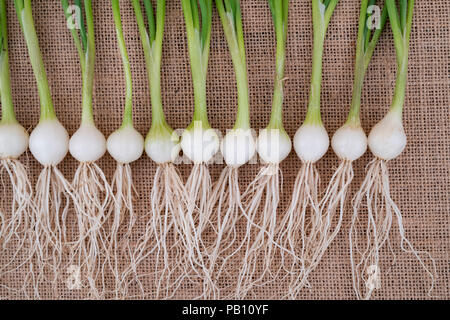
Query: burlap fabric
<point x="419" y="177"/>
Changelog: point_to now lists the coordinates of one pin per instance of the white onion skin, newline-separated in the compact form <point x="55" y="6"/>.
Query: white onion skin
<point x="311" y="142"/>
<point x="387" y="139"/>
<point x="162" y="148"/>
<point x="125" y="145"/>
<point x="13" y="140"/>
<point x="199" y="144"/>
<point x="49" y="142"/>
<point x="238" y="147"/>
<point x="349" y="142"/>
<point x="87" y="144"/>
<point x="273" y="145"/>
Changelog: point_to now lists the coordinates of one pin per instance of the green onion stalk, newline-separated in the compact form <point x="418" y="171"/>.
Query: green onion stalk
<point x="300" y="238"/>
<point x="261" y="198"/>
<point x="125" y="145"/>
<point x="49" y="143"/>
<point x="168" y="197"/>
<point x="17" y="221"/>
<point x="386" y="141"/>
<point x="199" y="141"/>
<point x="237" y="147"/>
<point x="88" y="145"/>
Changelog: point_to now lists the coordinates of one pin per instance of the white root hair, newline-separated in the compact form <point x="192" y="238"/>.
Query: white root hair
<point x="300" y="229"/>
<point x="199" y="188"/>
<point x="195" y="221"/>
<point x="374" y="232"/>
<point x="169" y="200"/>
<point x="16" y="237"/>
<point x="89" y="249"/>
<point x="260" y="229"/>
<point x="225" y="202"/>
<point x="120" y="221"/>
<point x="323" y="226"/>
<point x="52" y="200"/>
<point x="317" y="223"/>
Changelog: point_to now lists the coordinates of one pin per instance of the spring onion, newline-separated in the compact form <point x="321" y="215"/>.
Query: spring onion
<point x="237" y="147"/>
<point x="386" y="141"/>
<point x="49" y="144"/>
<point x="273" y="146"/>
<point x="125" y="145"/>
<point x="15" y="226"/>
<point x="88" y="145"/>
<point x="301" y="225"/>
<point x="168" y="195"/>
<point x="199" y="142"/>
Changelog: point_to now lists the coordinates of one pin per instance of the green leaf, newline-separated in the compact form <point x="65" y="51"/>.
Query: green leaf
<point x="206" y="12"/>
<point x="151" y="19"/>
<point x="233" y="5"/>
<point x="272" y="10"/>
<point x="285" y="13"/>
<point x="395" y="23"/>
<point x="3" y="28"/>
<point x="2" y="39"/>
<point x="403" y="12"/>
<point x="65" y="6"/>
<point x="195" y="16"/>
<point x="19" y="5"/>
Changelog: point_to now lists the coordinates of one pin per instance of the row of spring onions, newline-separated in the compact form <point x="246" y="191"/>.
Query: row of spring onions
<point x="191" y="232"/>
<point x="349" y="143"/>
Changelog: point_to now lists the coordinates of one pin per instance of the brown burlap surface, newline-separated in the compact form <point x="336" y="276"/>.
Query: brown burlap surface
<point x="419" y="177"/>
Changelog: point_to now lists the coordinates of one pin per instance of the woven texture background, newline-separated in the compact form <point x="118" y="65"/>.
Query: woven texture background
<point x="420" y="177"/>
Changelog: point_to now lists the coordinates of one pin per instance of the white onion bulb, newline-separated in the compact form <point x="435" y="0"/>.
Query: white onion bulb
<point x="163" y="148"/>
<point x="349" y="142"/>
<point x="238" y="147"/>
<point x="311" y="142"/>
<point x="387" y="140"/>
<point x="199" y="144"/>
<point x="13" y="140"/>
<point x="87" y="144"/>
<point x="49" y="142"/>
<point x="273" y="145"/>
<point x="125" y="145"/>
